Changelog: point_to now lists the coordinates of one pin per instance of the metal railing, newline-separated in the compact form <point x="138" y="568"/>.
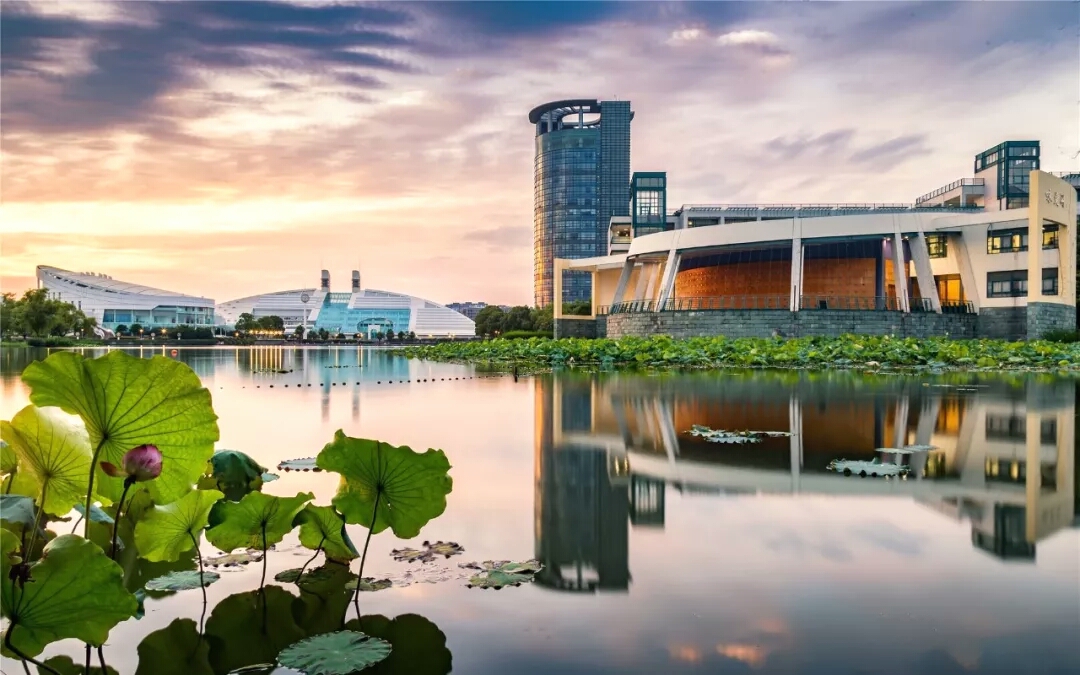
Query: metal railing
<point x="783" y="302"/>
<point x="963" y="182"/>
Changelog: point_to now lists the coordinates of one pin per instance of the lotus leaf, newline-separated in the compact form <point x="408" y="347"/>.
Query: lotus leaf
<point x="126" y="402"/>
<point x="323" y="599"/>
<point x="76" y="592"/>
<point x="234" y="559"/>
<point x="182" y="581"/>
<point x="317" y="575"/>
<point x="9" y="548"/>
<point x="9" y="463"/>
<point x="410" y="487"/>
<point x="251" y="628"/>
<point x="430" y="551"/>
<point x="177" y="649"/>
<point x="369" y="584"/>
<point x="97" y="514"/>
<point x="268" y="477"/>
<point x="14" y="481"/>
<point x="18" y="510"/>
<point x="418" y="647"/>
<point x="65" y="666"/>
<point x="232" y="467"/>
<point x="256" y="521"/>
<point x="167" y="531"/>
<point x="500" y="574"/>
<point x="304" y="464"/>
<point x="55" y="450"/>
<point x="323" y="527"/>
<point x="338" y="653"/>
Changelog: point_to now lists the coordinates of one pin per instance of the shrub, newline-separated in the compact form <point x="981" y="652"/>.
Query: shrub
<point x="1064" y="336"/>
<point x="525" y="334"/>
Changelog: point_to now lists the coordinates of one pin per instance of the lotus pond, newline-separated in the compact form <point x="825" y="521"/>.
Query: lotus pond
<point x="565" y="522"/>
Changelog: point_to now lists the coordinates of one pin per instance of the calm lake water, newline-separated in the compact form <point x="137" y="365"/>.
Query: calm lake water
<point x="663" y="553"/>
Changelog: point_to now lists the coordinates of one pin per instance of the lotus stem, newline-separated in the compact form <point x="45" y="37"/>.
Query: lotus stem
<point x="37" y="523"/>
<point x="9" y="481"/>
<point x="86" y="668"/>
<point x="101" y="660"/>
<point x="128" y="482"/>
<point x="202" y="583"/>
<point x="263" y="582"/>
<point x="318" y="549"/>
<point x="90" y="486"/>
<point x="363" y="556"/>
<point x="15" y="650"/>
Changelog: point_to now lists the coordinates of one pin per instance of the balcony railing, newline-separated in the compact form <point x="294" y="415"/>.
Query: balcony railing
<point x="783" y="302"/>
<point x="963" y="182"/>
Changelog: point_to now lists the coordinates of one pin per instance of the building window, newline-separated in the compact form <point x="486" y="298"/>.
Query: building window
<point x="1050" y="236"/>
<point x="1006" y="241"/>
<point x="1011" y="284"/>
<point x="1050" y="281"/>
<point x="937" y="245"/>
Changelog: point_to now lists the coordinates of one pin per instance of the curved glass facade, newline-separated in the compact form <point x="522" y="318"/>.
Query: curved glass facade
<point x="581" y="179"/>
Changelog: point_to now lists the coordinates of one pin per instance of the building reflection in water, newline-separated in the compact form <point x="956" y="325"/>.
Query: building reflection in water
<point x="1003" y="454"/>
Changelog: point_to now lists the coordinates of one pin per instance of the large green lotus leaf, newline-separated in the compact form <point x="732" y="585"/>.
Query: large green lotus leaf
<point x="126" y="402"/>
<point x="9" y="462"/>
<point x="411" y="487"/>
<point x="323" y="526"/>
<point x="18" y="510"/>
<point x="337" y="653"/>
<point x="243" y="524"/>
<point x="76" y="592"/>
<point x="12" y="481"/>
<point x="167" y="531"/>
<point x="54" y="449"/>
<point x="65" y="666"/>
<point x="234" y="473"/>
<point x="97" y="514"/>
<point x="250" y="628"/>
<point x="177" y="649"/>
<point x="419" y="647"/>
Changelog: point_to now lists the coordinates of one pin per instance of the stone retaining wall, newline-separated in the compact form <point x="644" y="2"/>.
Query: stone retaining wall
<point x="1043" y="317"/>
<point x="1002" y="323"/>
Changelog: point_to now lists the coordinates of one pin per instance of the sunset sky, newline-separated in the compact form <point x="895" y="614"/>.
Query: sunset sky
<point x="227" y="149"/>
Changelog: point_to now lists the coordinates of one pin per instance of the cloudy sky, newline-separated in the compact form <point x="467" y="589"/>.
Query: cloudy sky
<point x="226" y="149"/>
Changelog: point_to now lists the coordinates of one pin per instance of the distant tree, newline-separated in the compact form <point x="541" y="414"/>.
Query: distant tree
<point x="121" y="330"/>
<point x="270" y="323"/>
<point x="401" y="335"/>
<point x="246" y="322"/>
<point x="577" y="308"/>
<point x="543" y="318"/>
<point x="299" y="332"/>
<point x="518" y="318"/>
<point x="324" y="334"/>
<point x="412" y="335"/>
<point x="379" y="335"/>
<point x="490" y="320"/>
<point x="136" y="328"/>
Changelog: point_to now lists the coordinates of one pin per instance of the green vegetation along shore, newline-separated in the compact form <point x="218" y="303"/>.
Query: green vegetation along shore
<point x="848" y="351"/>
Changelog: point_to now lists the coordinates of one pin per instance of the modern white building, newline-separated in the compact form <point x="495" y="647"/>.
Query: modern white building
<point x="979" y="251"/>
<point x="362" y="310"/>
<point x="119" y="303"/>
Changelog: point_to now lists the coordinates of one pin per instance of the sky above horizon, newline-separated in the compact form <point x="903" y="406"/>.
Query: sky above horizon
<point x="234" y="148"/>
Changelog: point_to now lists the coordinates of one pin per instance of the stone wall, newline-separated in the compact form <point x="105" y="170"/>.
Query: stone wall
<point x="577" y="328"/>
<point x="1043" y="317"/>
<point x="765" y="323"/>
<point x="1002" y="323"/>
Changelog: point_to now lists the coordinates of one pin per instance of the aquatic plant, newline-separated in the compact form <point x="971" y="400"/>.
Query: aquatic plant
<point x="844" y="352"/>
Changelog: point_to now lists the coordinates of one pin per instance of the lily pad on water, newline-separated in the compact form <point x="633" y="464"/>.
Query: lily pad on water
<point x="417" y="645"/>
<point x="233" y="559"/>
<point x="303" y="464"/>
<point x="315" y="575"/>
<point x="181" y="581"/>
<point x="411" y="487"/>
<point x="337" y="653"/>
<point x="500" y="574"/>
<point x="430" y="551"/>
<point x="125" y="402"/>
<point x="268" y="477"/>
<point x="323" y="526"/>
<point x="369" y="584"/>
<point x="244" y="524"/>
<point x="167" y="531"/>
<point x="65" y="666"/>
<point x="177" y="649"/>
<point x="54" y="449"/>
<point x="76" y="592"/>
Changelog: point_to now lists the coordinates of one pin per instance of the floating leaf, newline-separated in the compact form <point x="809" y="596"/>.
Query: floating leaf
<point x="268" y="477"/>
<point x="54" y="449"/>
<point x="312" y="576"/>
<point x="246" y="629"/>
<point x="65" y="666"/>
<point x="527" y="567"/>
<point x="76" y="592"/>
<point x="243" y="524"/>
<point x="338" y="653"/>
<point x="431" y="573"/>
<point x="303" y="464"/>
<point x="177" y="649"/>
<point x="233" y="559"/>
<point x="723" y="436"/>
<point x="418" y="647"/>
<point x="500" y="574"/>
<point x="182" y="581"/>
<point x="323" y="526"/>
<point x="428" y="553"/>
<point x="369" y="584"/>
<point x="97" y="514"/>
<point x="411" y="487"/>
<point x="167" y="531"/>
<point x="126" y="402"/>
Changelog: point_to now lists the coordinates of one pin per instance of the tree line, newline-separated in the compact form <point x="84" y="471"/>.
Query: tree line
<point x="35" y="314"/>
<point x="493" y="320"/>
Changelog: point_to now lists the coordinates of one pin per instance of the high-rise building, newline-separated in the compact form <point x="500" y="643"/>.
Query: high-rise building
<point x="581" y="180"/>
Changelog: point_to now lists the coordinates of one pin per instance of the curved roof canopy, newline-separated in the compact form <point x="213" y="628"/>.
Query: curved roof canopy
<point x="563" y="108"/>
<point x="107" y="283"/>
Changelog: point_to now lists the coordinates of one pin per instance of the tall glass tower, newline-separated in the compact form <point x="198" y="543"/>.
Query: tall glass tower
<point x="581" y="179"/>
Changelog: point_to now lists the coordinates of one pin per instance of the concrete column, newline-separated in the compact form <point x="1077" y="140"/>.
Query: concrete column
<point x="971" y="285"/>
<point x="796" y="441"/>
<point x="668" y="434"/>
<point x="924" y="273"/>
<point x="899" y="268"/>
<point x="796" y="274"/>
<point x="654" y="278"/>
<point x="643" y="280"/>
<point x="671" y="269"/>
<point x="928" y="415"/>
<point x="557" y="268"/>
<point x="900" y="422"/>
<point x="624" y="281"/>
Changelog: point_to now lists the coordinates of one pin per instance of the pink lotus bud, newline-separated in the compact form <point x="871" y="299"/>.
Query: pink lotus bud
<point x="140" y="464"/>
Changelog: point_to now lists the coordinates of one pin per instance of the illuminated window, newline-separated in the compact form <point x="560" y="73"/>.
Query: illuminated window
<point x="937" y="245"/>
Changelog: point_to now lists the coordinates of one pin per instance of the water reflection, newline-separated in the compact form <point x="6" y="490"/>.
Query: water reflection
<point x="1002" y="455"/>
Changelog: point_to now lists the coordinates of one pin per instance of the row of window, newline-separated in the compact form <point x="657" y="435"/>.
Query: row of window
<point x="1014" y="283"/>
<point x="1016" y="241"/>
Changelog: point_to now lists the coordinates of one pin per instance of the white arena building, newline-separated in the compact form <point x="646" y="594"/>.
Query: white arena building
<point x="367" y="311"/>
<point x="114" y="303"/>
